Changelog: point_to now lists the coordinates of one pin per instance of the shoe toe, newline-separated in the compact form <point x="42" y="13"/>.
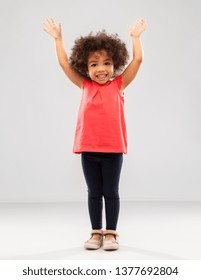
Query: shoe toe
<point x="110" y="245"/>
<point x="92" y="244"/>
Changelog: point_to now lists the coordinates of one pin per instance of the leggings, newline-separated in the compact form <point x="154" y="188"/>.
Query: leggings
<point x="102" y="173"/>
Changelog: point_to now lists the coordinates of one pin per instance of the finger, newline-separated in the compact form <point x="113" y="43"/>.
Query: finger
<point x="130" y="28"/>
<point x="137" y="21"/>
<point x="53" y="21"/>
<point x="46" y="30"/>
<point x="143" y="22"/>
<point x="49" y="21"/>
<point x="59" y="26"/>
<point x="46" y="24"/>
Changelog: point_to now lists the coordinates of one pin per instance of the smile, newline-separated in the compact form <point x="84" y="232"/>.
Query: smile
<point x="101" y="76"/>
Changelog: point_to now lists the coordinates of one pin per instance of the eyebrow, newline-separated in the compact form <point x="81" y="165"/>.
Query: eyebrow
<point x="107" y="59"/>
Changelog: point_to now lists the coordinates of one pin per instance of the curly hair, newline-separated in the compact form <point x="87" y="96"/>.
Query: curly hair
<point x="111" y="43"/>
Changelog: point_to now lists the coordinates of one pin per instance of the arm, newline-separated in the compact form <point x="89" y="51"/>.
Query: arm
<point x="130" y="72"/>
<point x="55" y="31"/>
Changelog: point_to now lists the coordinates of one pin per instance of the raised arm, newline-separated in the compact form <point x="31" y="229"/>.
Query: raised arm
<point x="54" y="30"/>
<point x="131" y="70"/>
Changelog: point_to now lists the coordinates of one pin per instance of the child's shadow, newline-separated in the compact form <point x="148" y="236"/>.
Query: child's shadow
<point x="149" y="254"/>
<point x="125" y="252"/>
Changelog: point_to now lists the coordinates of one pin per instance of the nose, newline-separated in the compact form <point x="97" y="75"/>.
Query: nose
<point x="100" y="68"/>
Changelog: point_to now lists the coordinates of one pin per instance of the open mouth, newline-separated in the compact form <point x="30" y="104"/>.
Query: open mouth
<point x="101" y="76"/>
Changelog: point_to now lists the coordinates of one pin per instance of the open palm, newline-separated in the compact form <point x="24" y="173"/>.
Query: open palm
<point x="52" y="28"/>
<point x="138" y="28"/>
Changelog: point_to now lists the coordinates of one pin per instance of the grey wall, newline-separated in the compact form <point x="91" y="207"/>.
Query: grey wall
<point x="38" y="105"/>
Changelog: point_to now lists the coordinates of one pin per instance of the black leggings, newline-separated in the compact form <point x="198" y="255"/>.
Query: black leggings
<point x="102" y="173"/>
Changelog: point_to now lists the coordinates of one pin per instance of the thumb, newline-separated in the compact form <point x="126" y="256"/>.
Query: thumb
<point x="129" y="28"/>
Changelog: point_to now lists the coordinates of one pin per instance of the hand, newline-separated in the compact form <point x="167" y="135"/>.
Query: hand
<point x="52" y="28"/>
<point x="138" y="28"/>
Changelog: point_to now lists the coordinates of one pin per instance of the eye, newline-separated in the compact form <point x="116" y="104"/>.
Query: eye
<point x="93" y="65"/>
<point x="108" y="63"/>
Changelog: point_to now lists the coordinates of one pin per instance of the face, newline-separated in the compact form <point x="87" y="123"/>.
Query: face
<point x="100" y="67"/>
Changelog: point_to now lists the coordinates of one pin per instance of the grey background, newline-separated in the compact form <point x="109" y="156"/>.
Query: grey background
<point x="38" y="105"/>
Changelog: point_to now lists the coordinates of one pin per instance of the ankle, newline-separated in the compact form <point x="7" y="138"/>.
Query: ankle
<point x="110" y="241"/>
<point x="109" y="237"/>
<point x="96" y="236"/>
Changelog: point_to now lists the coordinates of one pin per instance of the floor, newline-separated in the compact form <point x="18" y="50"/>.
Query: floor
<point x="148" y="230"/>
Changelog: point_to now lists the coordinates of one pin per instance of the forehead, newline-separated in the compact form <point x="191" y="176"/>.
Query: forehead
<point x="102" y="54"/>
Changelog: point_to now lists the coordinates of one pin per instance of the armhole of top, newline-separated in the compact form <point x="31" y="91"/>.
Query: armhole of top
<point x="118" y="80"/>
<point x="119" y="84"/>
<point x="85" y="82"/>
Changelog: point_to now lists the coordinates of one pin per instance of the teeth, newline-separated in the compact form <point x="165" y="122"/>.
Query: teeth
<point x="101" y="76"/>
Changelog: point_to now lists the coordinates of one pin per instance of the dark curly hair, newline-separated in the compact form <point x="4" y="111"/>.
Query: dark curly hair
<point x="111" y="43"/>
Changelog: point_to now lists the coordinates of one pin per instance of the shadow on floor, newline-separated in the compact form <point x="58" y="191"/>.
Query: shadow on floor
<point x="79" y="253"/>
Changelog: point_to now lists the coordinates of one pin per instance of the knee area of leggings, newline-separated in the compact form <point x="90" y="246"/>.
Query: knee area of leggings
<point x="111" y="195"/>
<point x="93" y="195"/>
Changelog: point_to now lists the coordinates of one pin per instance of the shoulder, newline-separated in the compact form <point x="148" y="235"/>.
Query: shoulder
<point x="86" y="83"/>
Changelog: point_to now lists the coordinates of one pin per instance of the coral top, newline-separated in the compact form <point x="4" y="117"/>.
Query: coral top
<point x="101" y="123"/>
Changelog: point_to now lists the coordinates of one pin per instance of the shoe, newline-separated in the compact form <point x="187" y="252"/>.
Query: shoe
<point x="110" y="244"/>
<point x="94" y="244"/>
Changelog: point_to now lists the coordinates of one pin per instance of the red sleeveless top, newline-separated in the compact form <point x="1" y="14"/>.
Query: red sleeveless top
<point x="101" y="123"/>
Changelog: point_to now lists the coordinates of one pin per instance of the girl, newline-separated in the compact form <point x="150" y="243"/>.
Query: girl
<point x="96" y="66"/>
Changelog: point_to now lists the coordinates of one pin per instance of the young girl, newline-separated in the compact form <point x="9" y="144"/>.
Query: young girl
<point x="95" y="65"/>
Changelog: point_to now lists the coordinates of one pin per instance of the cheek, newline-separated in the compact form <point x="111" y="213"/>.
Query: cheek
<point x="112" y="68"/>
<point x="90" y="71"/>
